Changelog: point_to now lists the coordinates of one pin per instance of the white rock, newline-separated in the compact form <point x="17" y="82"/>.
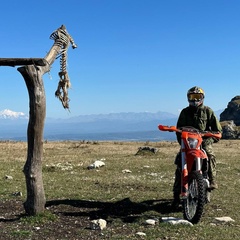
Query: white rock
<point x="182" y="221"/>
<point x="175" y="221"/>
<point x="126" y="171"/>
<point x="166" y="219"/>
<point x="141" y="234"/>
<point x="224" y="219"/>
<point x="96" y="164"/>
<point x="98" y="224"/>
<point x="153" y="174"/>
<point x="213" y="224"/>
<point x="150" y="221"/>
<point x="17" y="194"/>
<point x="91" y="166"/>
<point x="8" y="177"/>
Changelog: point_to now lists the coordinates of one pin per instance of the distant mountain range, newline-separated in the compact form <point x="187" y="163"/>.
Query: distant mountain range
<point x="13" y="125"/>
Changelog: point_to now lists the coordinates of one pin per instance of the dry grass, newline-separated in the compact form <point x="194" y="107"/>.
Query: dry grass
<point x="76" y="195"/>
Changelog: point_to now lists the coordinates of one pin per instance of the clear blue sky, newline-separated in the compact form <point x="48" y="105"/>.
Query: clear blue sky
<point x="132" y="55"/>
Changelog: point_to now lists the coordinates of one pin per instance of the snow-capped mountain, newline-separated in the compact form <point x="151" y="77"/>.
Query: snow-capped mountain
<point x="9" y="114"/>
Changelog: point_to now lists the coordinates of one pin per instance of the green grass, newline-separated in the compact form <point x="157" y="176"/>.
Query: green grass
<point x="21" y="234"/>
<point x="40" y="218"/>
<point x="130" y="198"/>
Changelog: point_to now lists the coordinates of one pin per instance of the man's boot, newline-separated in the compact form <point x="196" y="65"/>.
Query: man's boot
<point x="213" y="184"/>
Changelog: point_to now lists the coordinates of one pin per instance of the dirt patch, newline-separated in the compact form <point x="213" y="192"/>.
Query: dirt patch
<point x="73" y="219"/>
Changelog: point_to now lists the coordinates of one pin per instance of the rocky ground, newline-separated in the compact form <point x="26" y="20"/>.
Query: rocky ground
<point x="125" y="212"/>
<point x="72" y="221"/>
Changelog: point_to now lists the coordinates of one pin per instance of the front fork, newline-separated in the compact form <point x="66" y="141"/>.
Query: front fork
<point x="184" y="176"/>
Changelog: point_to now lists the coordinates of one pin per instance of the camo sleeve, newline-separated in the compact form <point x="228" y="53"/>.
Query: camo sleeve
<point x="214" y="124"/>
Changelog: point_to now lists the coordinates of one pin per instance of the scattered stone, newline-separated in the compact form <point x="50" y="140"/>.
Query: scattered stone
<point x="126" y="171"/>
<point x="62" y="166"/>
<point x="17" y="194"/>
<point x="141" y="234"/>
<point x="97" y="164"/>
<point x="65" y="166"/>
<point x="153" y="174"/>
<point x="224" y="219"/>
<point x="213" y="224"/>
<point x="150" y="222"/>
<point x="174" y="221"/>
<point x="98" y="224"/>
<point x="8" y="177"/>
<point x="146" y="150"/>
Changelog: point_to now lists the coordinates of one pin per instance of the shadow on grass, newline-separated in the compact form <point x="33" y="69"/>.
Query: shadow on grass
<point x="125" y="209"/>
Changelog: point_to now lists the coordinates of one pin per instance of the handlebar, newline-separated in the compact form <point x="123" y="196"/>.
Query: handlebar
<point x="217" y="135"/>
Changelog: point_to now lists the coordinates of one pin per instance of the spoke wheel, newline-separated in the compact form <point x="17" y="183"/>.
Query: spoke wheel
<point x="193" y="205"/>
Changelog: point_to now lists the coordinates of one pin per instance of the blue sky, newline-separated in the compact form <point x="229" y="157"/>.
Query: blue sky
<point x="132" y="55"/>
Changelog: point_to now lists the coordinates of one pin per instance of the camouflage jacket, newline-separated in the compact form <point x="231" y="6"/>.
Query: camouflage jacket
<point x="202" y="118"/>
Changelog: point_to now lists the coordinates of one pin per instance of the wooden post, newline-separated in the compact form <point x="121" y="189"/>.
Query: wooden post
<point x="35" y="202"/>
<point x="32" y="73"/>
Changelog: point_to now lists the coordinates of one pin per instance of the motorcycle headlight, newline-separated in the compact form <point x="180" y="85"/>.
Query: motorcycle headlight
<point x="192" y="142"/>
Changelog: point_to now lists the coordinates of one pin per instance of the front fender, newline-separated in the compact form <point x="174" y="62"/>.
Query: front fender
<point x="191" y="154"/>
<point x="196" y="153"/>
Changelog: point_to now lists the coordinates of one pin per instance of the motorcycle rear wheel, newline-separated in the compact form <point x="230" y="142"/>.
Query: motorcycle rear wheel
<point x="193" y="205"/>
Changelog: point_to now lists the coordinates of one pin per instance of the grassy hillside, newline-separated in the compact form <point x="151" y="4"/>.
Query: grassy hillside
<point x="126" y="192"/>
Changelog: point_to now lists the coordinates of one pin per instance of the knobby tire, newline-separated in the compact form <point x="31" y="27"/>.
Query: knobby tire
<point x="193" y="205"/>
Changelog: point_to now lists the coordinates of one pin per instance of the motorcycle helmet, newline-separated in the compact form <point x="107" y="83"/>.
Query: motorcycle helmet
<point x="195" y="96"/>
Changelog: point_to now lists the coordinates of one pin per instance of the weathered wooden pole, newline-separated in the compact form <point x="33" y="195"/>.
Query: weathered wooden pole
<point x="32" y="73"/>
<point x="35" y="202"/>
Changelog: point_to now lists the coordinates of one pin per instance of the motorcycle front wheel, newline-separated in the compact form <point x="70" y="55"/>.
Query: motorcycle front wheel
<point x="193" y="205"/>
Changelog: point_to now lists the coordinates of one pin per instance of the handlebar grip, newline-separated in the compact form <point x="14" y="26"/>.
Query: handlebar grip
<point x="167" y="128"/>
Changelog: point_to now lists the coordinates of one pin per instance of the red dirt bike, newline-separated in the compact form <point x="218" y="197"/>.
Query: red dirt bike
<point x="195" y="186"/>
